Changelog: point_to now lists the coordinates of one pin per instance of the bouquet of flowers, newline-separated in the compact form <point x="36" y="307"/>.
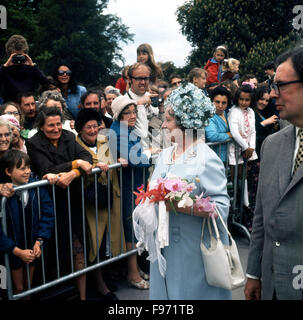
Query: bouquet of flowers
<point x="174" y="188"/>
<point x="151" y="231"/>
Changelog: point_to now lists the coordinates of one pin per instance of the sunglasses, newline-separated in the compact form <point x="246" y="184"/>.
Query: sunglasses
<point x="62" y="73"/>
<point x="174" y="84"/>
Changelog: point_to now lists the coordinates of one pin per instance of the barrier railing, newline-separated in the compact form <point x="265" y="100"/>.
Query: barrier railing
<point x="235" y="219"/>
<point x="236" y="215"/>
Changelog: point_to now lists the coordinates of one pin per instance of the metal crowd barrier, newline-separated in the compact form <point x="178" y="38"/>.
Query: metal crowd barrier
<point x="59" y="277"/>
<point x="235" y="219"/>
<point x="236" y="215"/>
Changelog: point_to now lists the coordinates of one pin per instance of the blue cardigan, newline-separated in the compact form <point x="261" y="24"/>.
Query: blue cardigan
<point x="123" y="142"/>
<point x="41" y="227"/>
<point x="216" y="131"/>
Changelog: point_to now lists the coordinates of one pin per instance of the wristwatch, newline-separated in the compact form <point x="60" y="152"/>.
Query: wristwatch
<point x="41" y="241"/>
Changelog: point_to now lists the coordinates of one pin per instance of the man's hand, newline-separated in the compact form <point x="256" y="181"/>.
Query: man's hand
<point x="252" y="289"/>
<point x="28" y="61"/>
<point x="9" y="62"/>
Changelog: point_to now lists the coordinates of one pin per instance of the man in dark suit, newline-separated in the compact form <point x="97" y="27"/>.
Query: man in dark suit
<point x="276" y="249"/>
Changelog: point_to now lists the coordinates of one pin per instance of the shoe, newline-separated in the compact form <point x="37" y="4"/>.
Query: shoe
<point x="110" y="296"/>
<point x="144" y="275"/>
<point x="143" y="284"/>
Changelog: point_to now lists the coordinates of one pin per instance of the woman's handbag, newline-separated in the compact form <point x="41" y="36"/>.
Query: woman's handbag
<point x="222" y="263"/>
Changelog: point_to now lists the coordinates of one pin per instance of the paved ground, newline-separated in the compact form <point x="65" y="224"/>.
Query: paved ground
<point x="127" y="293"/>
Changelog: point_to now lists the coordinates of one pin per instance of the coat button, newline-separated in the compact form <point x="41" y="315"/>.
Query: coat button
<point x="277" y="244"/>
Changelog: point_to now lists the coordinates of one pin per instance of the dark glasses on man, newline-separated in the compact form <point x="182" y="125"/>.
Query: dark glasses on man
<point x="276" y="85"/>
<point x="141" y="78"/>
<point x="62" y="73"/>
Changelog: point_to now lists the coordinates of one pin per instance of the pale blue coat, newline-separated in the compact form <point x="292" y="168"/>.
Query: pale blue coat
<point x="216" y="131"/>
<point x="185" y="277"/>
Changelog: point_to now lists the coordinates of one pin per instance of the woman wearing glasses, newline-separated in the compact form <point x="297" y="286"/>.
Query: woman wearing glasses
<point x="6" y="189"/>
<point x="124" y="143"/>
<point x="70" y="90"/>
<point x="12" y="109"/>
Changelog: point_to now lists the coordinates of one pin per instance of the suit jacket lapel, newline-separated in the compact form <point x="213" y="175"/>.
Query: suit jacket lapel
<point x="286" y="158"/>
<point x="299" y="173"/>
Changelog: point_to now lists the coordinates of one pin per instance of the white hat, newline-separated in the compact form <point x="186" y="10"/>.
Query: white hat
<point x="119" y="104"/>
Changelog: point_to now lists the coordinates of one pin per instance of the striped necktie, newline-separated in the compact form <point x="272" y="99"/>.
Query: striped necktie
<point x="299" y="156"/>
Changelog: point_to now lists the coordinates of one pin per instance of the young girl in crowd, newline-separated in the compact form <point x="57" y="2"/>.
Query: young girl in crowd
<point x="266" y="124"/>
<point x="241" y="119"/>
<point x="145" y="55"/>
<point x="214" y="65"/>
<point x="29" y="222"/>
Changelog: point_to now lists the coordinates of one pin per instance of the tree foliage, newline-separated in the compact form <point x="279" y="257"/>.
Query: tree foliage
<point x="21" y="19"/>
<point x="254" y="31"/>
<point x="75" y="32"/>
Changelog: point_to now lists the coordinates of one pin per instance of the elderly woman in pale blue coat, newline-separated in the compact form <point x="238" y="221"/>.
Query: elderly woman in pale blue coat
<point x="218" y="128"/>
<point x="195" y="161"/>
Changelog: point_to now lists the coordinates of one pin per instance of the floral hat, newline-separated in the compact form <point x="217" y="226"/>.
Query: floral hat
<point x="191" y="106"/>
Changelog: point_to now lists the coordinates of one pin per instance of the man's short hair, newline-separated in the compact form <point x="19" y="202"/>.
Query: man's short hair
<point x="296" y="57"/>
<point x="89" y="92"/>
<point x="135" y="66"/>
<point x="25" y="95"/>
<point x="269" y="65"/>
<point x="16" y="43"/>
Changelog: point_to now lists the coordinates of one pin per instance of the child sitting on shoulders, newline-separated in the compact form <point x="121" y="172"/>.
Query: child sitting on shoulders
<point x="214" y="65"/>
<point x="230" y="69"/>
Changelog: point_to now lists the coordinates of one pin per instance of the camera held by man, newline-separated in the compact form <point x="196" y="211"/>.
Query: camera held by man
<point x="19" y="73"/>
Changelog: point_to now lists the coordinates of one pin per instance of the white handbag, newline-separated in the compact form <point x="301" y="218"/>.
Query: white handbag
<point x="222" y="263"/>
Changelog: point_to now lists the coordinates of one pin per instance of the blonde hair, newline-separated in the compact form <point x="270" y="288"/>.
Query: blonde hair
<point x="230" y="64"/>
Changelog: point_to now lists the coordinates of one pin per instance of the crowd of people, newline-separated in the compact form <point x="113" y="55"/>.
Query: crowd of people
<point x="66" y="130"/>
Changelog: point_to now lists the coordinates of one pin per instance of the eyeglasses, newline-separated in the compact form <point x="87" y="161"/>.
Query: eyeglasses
<point x="13" y="113"/>
<point x="174" y="84"/>
<point x="6" y="135"/>
<point x="276" y="85"/>
<point x="128" y="113"/>
<point x="141" y="78"/>
<point x="91" y="127"/>
<point x="62" y="73"/>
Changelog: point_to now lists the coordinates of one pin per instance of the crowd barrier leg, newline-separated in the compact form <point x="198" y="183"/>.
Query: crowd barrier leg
<point x="236" y="218"/>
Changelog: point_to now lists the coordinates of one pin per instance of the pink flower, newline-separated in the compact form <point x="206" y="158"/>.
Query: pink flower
<point x="190" y="187"/>
<point x="204" y="204"/>
<point x="174" y="184"/>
